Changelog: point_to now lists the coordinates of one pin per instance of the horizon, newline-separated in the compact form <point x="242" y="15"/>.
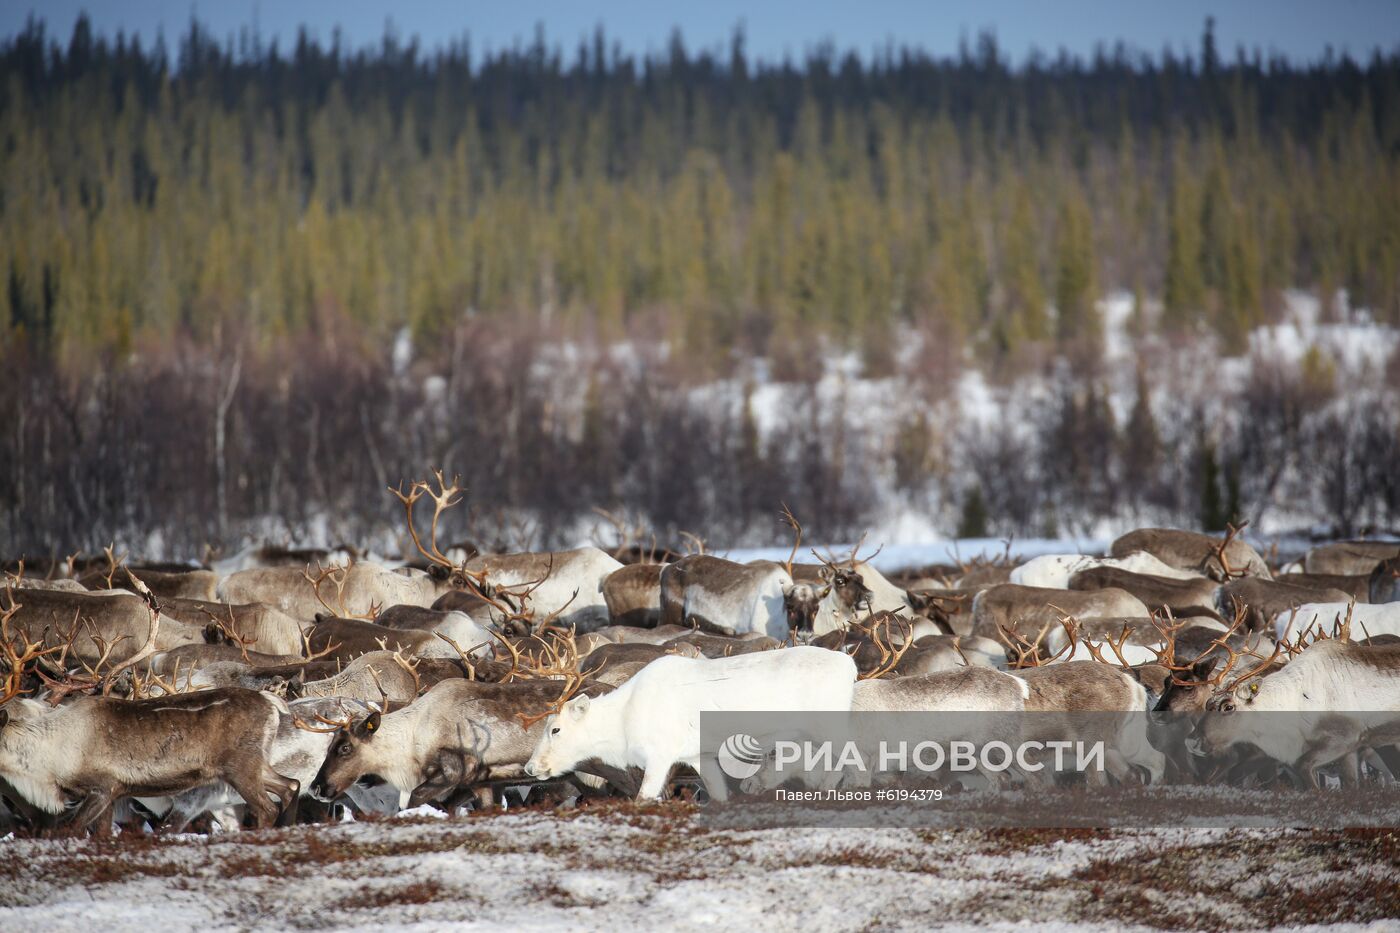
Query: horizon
<point x="1292" y="32"/>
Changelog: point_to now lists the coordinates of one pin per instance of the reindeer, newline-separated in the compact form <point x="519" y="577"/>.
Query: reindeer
<point x="1079" y="687"/>
<point x="98" y="749"/>
<point x="461" y="732"/>
<point x="103" y="627"/>
<point x="276" y="555"/>
<point x="627" y="635"/>
<point x="723" y="596"/>
<point x="1347" y="695"/>
<point x="385" y="677"/>
<point x="1356" y="586"/>
<point x="1369" y="621"/>
<point x="270" y="629"/>
<point x="1184" y="597"/>
<point x="567" y="585"/>
<point x="1349" y="557"/>
<point x="725" y="646"/>
<point x="633" y="595"/>
<point x="1383" y="586"/>
<point x="652" y="721"/>
<point x="179" y="584"/>
<point x="1010" y="607"/>
<point x="298" y="752"/>
<point x="1221" y="560"/>
<point x="1054" y="571"/>
<point x="965" y="690"/>
<point x="1266" y="599"/>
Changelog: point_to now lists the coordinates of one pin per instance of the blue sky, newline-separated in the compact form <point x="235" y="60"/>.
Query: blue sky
<point x="1301" y="30"/>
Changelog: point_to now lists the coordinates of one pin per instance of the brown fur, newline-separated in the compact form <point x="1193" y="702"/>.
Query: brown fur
<point x="175" y="744"/>
<point x="1349" y="557"/>
<point x="123" y="620"/>
<point x="1182" y="597"/>
<point x="715" y="573"/>
<point x="1190" y="550"/>
<point x="610" y="655"/>
<point x="721" y="646"/>
<point x="1028" y="609"/>
<point x="467" y="732"/>
<point x="626" y="634"/>
<point x="985" y="575"/>
<point x="1077" y="686"/>
<point x="633" y="595"/>
<point x="1267" y="598"/>
<point x="267" y="629"/>
<point x="355" y="637"/>
<point x="182" y="584"/>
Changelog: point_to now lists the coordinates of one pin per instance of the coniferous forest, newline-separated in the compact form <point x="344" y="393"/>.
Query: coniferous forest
<point x="211" y="249"/>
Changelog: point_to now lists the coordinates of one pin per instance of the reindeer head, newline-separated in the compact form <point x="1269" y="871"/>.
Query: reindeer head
<point x="567" y="739"/>
<point x="848" y="588"/>
<point x="346" y="761"/>
<point x="1385" y="582"/>
<point x="800" y="601"/>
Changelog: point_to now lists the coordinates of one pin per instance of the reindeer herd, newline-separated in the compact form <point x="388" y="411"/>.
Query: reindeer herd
<point x="282" y="685"/>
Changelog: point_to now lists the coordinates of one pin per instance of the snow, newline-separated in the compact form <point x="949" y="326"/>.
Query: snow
<point x="894" y="556"/>
<point x="624" y="867"/>
<point x="1190" y="382"/>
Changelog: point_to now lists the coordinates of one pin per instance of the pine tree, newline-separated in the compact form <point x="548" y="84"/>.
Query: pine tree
<point x="1078" y="317"/>
<point x="974" y="521"/>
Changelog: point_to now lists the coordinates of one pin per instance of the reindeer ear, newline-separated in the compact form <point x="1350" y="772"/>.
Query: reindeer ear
<point x="578" y="707"/>
<point x="368" y="726"/>
<point x="825" y="574"/>
<point x="1201" y="669"/>
<point x="437" y="572"/>
<point x="4" y="717"/>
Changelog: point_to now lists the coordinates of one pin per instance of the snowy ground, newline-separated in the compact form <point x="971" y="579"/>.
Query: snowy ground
<point x="618" y="866"/>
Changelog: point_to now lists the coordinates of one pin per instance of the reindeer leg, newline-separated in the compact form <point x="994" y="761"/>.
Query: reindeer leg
<point x="1384" y="776"/>
<point x="96" y="805"/>
<point x="654" y="780"/>
<point x="715" y="782"/>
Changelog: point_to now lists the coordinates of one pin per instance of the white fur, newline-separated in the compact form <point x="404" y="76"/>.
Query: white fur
<point x="1054" y="570"/>
<point x="757" y="607"/>
<point x="653" y="720"/>
<point x="1323" y="684"/>
<point x="574" y="587"/>
<point x="1367" y="619"/>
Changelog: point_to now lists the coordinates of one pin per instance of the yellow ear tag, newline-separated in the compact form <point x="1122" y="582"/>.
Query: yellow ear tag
<point x="1254" y="687"/>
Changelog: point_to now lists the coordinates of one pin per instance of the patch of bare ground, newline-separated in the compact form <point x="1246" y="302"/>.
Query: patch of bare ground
<point x="1320" y="877"/>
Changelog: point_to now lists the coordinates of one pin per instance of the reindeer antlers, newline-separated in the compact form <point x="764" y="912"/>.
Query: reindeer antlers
<point x="1028" y="652"/>
<point x="889" y="656"/>
<point x="443" y="499"/>
<point x="797" y="540"/>
<point x="338" y="576"/>
<point x="17" y="655"/>
<point x="1230" y="532"/>
<point x="1096" y="651"/>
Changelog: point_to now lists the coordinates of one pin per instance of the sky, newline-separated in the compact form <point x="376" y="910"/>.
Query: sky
<point x="1300" y="29"/>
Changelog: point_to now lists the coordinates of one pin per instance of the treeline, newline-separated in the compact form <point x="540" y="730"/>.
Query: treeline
<point x="214" y="446"/>
<point x="149" y="196"/>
